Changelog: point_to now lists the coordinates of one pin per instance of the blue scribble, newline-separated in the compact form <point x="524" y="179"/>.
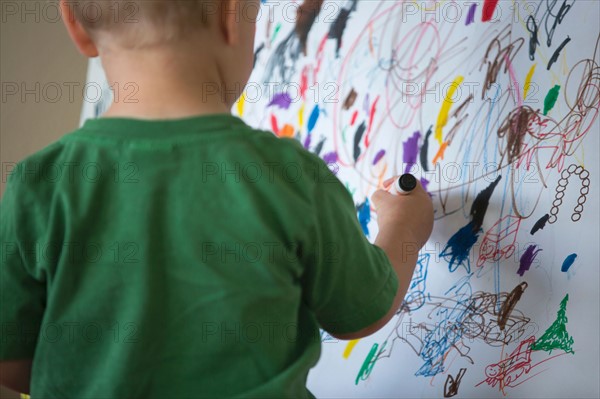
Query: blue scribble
<point x="364" y="216"/>
<point x="312" y="119"/>
<point x="447" y="331"/>
<point x="456" y="252"/>
<point x="568" y="262"/>
<point x="326" y="337"/>
<point x="415" y="297"/>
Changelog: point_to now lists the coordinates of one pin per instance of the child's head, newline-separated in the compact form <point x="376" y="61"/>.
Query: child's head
<point x="144" y="23"/>
<point x="217" y="30"/>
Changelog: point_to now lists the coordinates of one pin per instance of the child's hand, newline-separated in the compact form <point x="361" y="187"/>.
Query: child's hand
<point x="407" y="217"/>
<point x="405" y="224"/>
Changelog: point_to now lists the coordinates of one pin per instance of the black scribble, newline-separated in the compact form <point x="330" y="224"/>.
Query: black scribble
<point x="257" y="53"/>
<point x="319" y="147"/>
<point x="281" y="66"/>
<point x="424" y="149"/>
<point x="556" y="54"/>
<point x="339" y="26"/>
<point x="357" y="139"/>
<point x="451" y="385"/>
<point x="540" y="224"/>
<point x="533" y="38"/>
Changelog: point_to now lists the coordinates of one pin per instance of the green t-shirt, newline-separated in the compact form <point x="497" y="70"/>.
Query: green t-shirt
<point x="180" y="258"/>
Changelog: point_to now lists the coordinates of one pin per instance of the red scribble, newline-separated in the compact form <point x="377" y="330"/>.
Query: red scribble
<point x="354" y="116"/>
<point x="274" y="124"/>
<point x="512" y="368"/>
<point x="536" y="127"/>
<point x="345" y="65"/>
<point x="489" y="6"/>
<point x="319" y="57"/>
<point x="499" y="241"/>
<point x="371" y="117"/>
<point x="508" y="373"/>
<point x="304" y="82"/>
<point x="371" y="39"/>
<point x="420" y="43"/>
<point x="410" y="72"/>
<point x="563" y="137"/>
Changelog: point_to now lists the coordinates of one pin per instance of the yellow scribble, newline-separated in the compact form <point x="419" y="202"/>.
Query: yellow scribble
<point x="240" y="104"/>
<point x="443" y="116"/>
<point x="301" y="117"/>
<point x="349" y="348"/>
<point x="527" y="84"/>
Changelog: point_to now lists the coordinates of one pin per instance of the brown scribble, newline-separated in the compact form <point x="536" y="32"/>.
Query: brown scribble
<point x="452" y="324"/>
<point x="499" y="54"/>
<point x="350" y="99"/>
<point x="461" y="116"/>
<point x="306" y="15"/>
<point x="510" y="303"/>
<point x="515" y="126"/>
<point x="561" y="187"/>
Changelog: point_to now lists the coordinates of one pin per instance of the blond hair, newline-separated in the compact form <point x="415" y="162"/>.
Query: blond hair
<point x="138" y="23"/>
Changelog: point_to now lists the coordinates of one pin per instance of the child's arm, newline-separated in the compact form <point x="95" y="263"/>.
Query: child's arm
<point x="22" y="296"/>
<point x="15" y="375"/>
<point x="353" y="286"/>
<point x="405" y="224"/>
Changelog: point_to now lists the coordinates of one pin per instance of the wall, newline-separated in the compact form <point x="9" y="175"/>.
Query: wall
<point x="35" y="50"/>
<point x="37" y="55"/>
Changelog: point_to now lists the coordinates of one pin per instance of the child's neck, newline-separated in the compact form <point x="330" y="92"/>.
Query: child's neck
<point x="164" y="83"/>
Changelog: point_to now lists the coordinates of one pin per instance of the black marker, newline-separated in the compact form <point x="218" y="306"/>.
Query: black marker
<point x="404" y="185"/>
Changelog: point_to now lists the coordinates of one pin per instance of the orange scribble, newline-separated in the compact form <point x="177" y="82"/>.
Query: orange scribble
<point x="287" y="131"/>
<point x="440" y="153"/>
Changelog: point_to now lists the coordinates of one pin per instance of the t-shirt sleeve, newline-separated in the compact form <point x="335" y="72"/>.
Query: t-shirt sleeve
<point x="350" y="283"/>
<point x="22" y="297"/>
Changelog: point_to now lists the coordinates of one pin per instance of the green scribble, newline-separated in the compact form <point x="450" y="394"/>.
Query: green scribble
<point x="556" y="336"/>
<point x="551" y="98"/>
<point x="277" y="29"/>
<point x="367" y="365"/>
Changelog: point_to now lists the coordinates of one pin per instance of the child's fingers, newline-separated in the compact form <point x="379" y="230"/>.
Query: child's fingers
<point x="421" y="190"/>
<point x="389" y="181"/>
<point x="379" y="197"/>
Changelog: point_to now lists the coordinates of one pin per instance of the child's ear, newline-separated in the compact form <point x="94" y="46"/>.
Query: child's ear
<point x="229" y="21"/>
<point x="78" y="34"/>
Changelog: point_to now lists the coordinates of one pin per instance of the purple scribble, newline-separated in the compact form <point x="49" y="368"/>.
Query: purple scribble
<point x="411" y="151"/>
<point x="366" y="105"/>
<point x="424" y="183"/>
<point x="378" y="157"/>
<point x="471" y="14"/>
<point x="527" y="259"/>
<point x="330" y="157"/>
<point x="281" y="100"/>
<point x="307" y="141"/>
